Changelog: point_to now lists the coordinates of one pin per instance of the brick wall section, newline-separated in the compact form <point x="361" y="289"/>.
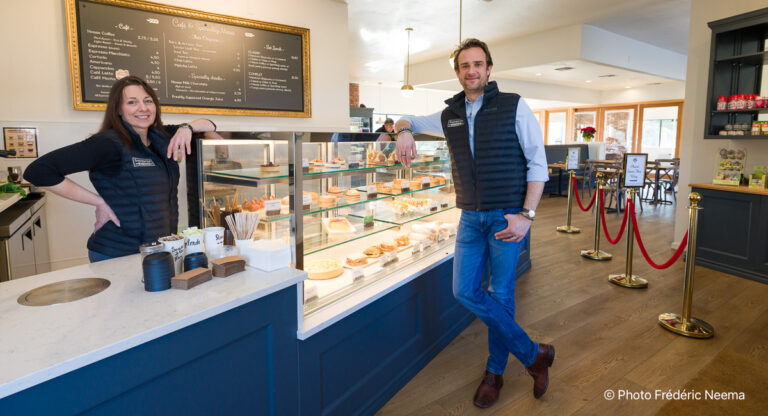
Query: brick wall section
<point x="354" y="95"/>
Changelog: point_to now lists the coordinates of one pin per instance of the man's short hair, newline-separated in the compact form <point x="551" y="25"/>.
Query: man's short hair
<point x="389" y="121"/>
<point x="472" y="43"/>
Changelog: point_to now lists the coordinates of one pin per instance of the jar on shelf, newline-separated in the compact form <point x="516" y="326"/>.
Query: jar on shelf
<point x="731" y="102"/>
<point x="722" y="103"/>
<point x="750" y="101"/>
<point x="760" y="101"/>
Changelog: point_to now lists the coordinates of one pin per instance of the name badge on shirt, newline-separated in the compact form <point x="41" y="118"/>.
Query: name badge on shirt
<point x="142" y="163"/>
<point x="456" y="122"/>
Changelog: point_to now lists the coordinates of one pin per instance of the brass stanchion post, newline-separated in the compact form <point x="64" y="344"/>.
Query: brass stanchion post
<point x="684" y="324"/>
<point x="627" y="279"/>
<point x="567" y="228"/>
<point x="595" y="253"/>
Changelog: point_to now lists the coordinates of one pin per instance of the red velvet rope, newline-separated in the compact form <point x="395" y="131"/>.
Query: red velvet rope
<point x="579" y="200"/>
<point x="605" y="228"/>
<point x="675" y="256"/>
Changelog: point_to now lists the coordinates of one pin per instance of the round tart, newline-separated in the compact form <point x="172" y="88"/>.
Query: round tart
<point x="323" y="269"/>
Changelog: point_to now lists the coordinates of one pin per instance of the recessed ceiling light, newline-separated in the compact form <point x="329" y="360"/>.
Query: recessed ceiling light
<point x="654" y="83"/>
<point x="564" y="68"/>
<point x="588" y="81"/>
<point x="627" y="86"/>
<point x="606" y="76"/>
<point x="538" y="74"/>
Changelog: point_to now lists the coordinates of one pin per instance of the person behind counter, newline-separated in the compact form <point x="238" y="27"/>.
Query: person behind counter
<point x="499" y="169"/>
<point x="131" y="163"/>
<point x="387" y="127"/>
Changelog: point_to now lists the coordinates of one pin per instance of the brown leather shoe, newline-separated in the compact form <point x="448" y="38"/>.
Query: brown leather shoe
<point x="488" y="391"/>
<point x="539" y="370"/>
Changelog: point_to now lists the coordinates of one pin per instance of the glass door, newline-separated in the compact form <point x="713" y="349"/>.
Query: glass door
<point x="660" y="131"/>
<point x="618" y="131"/>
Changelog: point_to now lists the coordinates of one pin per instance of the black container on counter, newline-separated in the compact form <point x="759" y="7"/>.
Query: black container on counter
<point x="158" y="270"/>
<point x="195" y="260"/>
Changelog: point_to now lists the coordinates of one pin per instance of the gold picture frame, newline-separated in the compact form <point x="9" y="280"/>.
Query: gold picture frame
<point x="75" y="51"/>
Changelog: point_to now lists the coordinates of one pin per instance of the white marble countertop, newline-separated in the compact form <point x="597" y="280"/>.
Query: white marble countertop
<point x="43" y="342"/>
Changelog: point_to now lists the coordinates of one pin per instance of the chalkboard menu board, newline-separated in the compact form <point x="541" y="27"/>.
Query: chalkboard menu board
<point x="197" y="62"/>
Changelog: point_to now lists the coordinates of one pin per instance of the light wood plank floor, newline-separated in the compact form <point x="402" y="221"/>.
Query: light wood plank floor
<point x="607" y="337"/>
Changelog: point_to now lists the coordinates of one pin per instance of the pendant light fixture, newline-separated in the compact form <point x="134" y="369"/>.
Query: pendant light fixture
<point x="453" y="54"/>
<point x="407" y="88"/>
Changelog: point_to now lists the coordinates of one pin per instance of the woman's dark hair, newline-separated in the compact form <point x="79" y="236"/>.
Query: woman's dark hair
<point x="112" y="119"/>
<point x="472" y="43"/>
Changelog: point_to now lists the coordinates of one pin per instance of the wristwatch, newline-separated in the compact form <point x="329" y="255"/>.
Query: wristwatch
<point x="528" y="213"/>
<point x="182" y="125"/>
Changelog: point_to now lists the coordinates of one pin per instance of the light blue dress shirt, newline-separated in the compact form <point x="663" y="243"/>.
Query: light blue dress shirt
<point x="526" y="126"/>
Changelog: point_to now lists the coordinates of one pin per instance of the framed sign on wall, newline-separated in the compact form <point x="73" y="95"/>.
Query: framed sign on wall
<point x="21" y="139"/>
<point x="197" y="62"/>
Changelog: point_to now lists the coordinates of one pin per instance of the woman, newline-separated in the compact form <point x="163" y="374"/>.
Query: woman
<point x="131" y="166"/>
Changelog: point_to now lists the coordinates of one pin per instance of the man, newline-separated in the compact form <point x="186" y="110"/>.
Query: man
<point x="499" y="169"/>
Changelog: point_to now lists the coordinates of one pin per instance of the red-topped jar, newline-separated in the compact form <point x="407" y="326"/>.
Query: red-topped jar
<point x="722" y="103"/>
<point x="750" y="101"/>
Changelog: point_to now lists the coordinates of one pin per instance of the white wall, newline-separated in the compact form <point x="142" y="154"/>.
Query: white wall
<point x="697" y="156"/>
<point x="388" y="99"/>
<point x="670" y="90"/>
<point x="36" y="90"/>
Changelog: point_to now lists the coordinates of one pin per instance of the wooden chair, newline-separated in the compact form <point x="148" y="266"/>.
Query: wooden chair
<point x="586" y="178"/>
<point x="670" y="177"/>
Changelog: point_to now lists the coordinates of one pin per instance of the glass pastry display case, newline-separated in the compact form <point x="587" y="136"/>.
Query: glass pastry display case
<point x="350" y="213"/>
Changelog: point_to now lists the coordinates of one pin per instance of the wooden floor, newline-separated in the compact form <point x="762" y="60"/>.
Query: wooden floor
<point x="607" y="337"/>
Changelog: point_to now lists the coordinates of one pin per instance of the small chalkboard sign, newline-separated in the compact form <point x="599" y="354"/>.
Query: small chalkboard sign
<point x="197" y="62"/>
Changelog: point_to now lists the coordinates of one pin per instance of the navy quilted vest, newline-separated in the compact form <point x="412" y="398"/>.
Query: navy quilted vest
<point x="144" y="196"/>
<point x="496" y="178"/>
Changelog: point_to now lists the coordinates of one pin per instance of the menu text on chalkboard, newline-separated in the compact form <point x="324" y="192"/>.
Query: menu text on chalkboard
<point x="197" y="62"/>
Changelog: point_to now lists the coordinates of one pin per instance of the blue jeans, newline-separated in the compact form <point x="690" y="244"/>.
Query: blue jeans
<point x="95" y="256"/>
<point x="476" y="249"/>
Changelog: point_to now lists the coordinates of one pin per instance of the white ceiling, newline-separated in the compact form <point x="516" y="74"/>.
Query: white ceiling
<point x="377" y="36"/>
<point x="583" y="75"/>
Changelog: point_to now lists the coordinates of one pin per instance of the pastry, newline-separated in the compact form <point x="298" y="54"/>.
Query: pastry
<point x="269" y="167"/>
<point x="339" y="224"/>
<point x="327" y="201"/>
<point x="391" y="159"/>
<point x="402" y="241"/>
<point x="372" y="252"/>
<point x="335" y="191"/>
<point x="338" y="161"/>
<point x="433" y="181"/>
<point x="415" y="184"/>
<point x="379" y="158"/>
<point x="388" y="246"/>
<point x="371" y="157"/>
<point x="385" y="189"/>
<point x="284" y="201"/>
<point x="357" y="261"/>
<point x="322" y="269"/>
<point x="352" y="195"/>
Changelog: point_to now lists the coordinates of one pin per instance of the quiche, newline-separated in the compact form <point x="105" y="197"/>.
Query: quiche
<point x="322" y="269"/>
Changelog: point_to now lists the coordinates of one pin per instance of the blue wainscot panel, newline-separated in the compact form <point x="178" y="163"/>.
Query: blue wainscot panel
<point x="239" y="362"/>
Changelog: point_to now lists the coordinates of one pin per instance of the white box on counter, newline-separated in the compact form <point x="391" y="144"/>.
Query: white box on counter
<point x="266" y="255"/>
